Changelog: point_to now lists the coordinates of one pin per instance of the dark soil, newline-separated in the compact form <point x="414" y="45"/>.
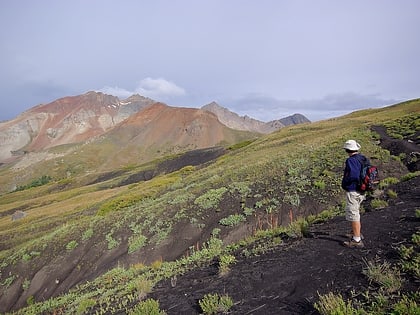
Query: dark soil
<point x="289" y="278"/>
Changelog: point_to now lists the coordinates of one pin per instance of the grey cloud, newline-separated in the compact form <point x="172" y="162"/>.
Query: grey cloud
<point x="28" y="94"/>
<point x="157" y="89"/>
<point x="266" y="108"/>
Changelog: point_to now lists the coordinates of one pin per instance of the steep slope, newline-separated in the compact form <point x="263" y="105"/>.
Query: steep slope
<point x="72" y="233"/>
<point x="163" y="126"/>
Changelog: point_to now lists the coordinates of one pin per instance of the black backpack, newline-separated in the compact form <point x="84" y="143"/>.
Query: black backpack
<point x="369" y="175"/>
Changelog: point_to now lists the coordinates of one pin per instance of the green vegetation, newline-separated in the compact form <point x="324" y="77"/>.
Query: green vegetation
<point x="225" y="261"/>
<point x="71" y="245"/>
<point x="404" y="127"/>
<point x="211" y="198"/>
<point x="149" y="307"/>
<point x="232" y="220"/>
<point x="215" y="303"/>
<point x="383" y="274"/>
<point x="334" y="304"/>
<point x="43" y="180"/>
<point x="409" y="176"/>
<point x="262" y="182"/>
<point x="378" y="203"/>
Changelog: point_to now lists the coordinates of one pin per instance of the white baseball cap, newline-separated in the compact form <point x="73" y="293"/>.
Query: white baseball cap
<point x="352" y="145"/>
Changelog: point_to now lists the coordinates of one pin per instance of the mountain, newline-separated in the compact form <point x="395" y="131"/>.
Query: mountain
<point x="83" y="118"/>
<point x="67" y="120"/>
<point x="98" y="132"/>
<point x="235" y="121"/>
<point x="159" y="130"/>
<point x="294" y="120"/>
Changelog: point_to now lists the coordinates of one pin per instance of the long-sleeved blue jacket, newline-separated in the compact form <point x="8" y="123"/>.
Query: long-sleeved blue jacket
<point x="352" y="171"/>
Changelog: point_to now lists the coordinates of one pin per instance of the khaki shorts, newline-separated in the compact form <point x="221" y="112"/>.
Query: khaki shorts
<point x="353" y="202"/>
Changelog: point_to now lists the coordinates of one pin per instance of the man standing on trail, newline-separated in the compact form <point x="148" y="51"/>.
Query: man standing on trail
<point x="354" y="198"/>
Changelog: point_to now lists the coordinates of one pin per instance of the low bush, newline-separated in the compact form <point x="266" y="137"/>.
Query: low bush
<point x="215" y="303"/>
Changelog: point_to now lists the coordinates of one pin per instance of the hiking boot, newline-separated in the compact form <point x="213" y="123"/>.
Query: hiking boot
<point x="353" y="244"/>
<point x="350" y="235"/>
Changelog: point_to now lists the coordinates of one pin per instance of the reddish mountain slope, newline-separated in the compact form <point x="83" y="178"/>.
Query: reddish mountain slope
<point x="161" y="124"/>
<point x="66" y="120"/>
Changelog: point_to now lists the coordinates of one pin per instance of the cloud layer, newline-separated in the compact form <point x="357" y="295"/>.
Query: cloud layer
<point x="157" y="89"/>
<point x="317" y="57"/>
<point x="268" y="108"/>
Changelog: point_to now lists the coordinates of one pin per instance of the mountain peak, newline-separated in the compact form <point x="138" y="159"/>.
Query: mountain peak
<point x="234" y="121"/>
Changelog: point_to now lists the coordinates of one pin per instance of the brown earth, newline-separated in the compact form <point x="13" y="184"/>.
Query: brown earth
<point x="288" y="278"/>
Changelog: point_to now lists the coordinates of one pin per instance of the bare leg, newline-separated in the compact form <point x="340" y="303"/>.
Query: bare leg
<point x="356" y="227"/>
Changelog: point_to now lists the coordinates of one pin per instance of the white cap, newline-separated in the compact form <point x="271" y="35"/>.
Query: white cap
<point x="352" y="145"/>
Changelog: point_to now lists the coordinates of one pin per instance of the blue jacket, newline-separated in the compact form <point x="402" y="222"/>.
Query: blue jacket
<point x="352" y="171"/>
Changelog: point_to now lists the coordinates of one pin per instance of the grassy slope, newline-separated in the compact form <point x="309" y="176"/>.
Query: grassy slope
<point x="253" y="176"/>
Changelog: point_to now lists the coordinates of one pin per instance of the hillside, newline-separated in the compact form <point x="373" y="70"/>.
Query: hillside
<point x="137" y="220"/>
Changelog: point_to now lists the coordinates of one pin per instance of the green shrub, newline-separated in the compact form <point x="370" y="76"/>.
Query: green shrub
<point x="112" y="243"/>
<point x="248" y="211"/>
<point x="71" y="245"/>
<point x="225" y="261"/>
<point x="141" y="286"/>
<point x="26" y="257"/>
<point x="232" y="220"/>
<point x="26" y="284"/>
<point x="409" y="176"/>
<point x="319" y="184"/>
<point x="415" y="238"/>
<point x="87" y="234"/>
<point x="392" y="194"/>
<point x="211" y="198"/>
<point x="385" y="275"/>
<point x="388" y="181"/>
<point x="84" y="305"/>
<point x="333" y="304"/>
<point x="406" y="306"/>
<point x="298" y="228"/>
<point x="147" y="307"/>
<point x="43" y="180"/>
<point x="378" y="204"/>
<point x="215" y="303"/>
<point x="135" y="242"/>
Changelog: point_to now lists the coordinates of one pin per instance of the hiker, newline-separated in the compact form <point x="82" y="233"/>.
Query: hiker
<point x="354" y="197"/>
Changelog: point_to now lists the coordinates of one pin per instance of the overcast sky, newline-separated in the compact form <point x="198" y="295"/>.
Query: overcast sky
<point x="263" y="58"/>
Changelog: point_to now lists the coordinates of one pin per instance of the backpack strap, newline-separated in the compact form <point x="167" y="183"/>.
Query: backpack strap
<point x="362" y="159"/>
